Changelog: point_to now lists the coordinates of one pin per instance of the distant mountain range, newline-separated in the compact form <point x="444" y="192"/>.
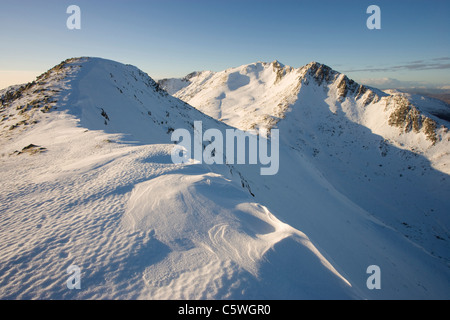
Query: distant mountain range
<point x="440" y="94"/>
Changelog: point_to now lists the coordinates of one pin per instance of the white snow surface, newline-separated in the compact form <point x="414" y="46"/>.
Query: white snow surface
<point x="104" y="195"/>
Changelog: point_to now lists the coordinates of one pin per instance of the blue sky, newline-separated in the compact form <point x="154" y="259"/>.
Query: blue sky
<point x="172" y="38"/>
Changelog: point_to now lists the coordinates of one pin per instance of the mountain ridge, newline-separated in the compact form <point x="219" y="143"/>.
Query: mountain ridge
<point x="205" y="91"/>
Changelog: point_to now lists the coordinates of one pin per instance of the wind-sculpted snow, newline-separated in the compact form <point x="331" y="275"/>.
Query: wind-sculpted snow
<point x="204" y="217"/>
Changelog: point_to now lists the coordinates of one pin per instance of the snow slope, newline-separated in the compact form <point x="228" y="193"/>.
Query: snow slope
<point x="87" y="179"/>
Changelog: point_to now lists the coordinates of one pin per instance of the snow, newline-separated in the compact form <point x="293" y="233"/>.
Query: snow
<point x="242" y="97"/>
<point x="104" y="194"/>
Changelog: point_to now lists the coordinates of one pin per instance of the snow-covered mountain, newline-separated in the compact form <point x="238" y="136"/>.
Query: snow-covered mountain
<point x="87" y="180"/>
<point x="260" y="94"/>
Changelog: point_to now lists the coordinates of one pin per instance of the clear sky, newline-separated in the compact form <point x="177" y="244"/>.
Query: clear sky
<point x="171" y="38"/>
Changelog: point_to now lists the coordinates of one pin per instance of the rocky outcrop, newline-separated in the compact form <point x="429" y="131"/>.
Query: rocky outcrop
<point x="408" y="118"/>
<point x="324" y="75"/>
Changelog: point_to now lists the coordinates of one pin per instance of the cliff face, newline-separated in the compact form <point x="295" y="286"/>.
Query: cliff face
<point x="407" y="117"/>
